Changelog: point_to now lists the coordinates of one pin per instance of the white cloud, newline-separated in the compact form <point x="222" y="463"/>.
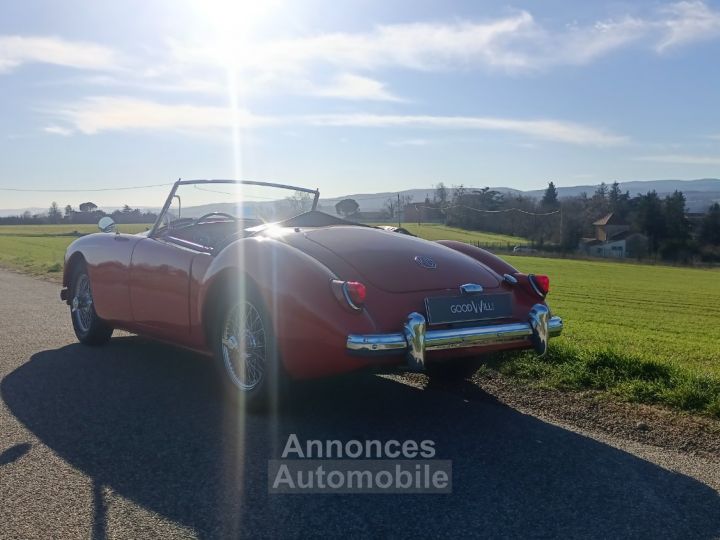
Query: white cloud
<point x="554" y="130"/>
<point x="18" y="50"/>
<point x="419" y="46"/>
<point x="687" y="22"/>
<point x="58" y="130"/>
<point x="99" y="114"/>
<point x="349" y="86"/>
<point x="682" y="159"/>
<point x="583" y="44"/>
<point x="516" y="42"/>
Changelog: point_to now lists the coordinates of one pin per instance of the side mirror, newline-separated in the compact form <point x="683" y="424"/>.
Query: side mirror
<point x="106" y="224"/>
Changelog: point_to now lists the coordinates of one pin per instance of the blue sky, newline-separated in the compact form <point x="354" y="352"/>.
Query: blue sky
<point x="354" y="96"/>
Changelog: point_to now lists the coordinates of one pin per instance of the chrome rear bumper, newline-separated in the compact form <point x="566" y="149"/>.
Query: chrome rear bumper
<point x="416" y="339"/>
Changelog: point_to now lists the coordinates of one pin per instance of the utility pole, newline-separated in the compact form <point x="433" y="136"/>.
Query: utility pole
<point x="399" y="210"/>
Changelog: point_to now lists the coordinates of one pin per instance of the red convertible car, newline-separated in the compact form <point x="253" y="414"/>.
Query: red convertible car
<point x="271" y="288"/>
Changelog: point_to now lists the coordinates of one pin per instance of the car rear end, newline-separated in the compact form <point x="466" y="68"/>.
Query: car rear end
<point x="429" y="302"/>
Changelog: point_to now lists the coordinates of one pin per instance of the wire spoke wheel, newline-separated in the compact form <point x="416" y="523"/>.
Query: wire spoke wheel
<point x="244" y="346"/>
<point x="82" y="303"/>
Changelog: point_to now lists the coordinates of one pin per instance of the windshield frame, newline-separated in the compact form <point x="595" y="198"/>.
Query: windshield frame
<point x="176" y="185"/>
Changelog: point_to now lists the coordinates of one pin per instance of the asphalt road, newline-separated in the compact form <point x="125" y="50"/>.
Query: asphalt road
<point x="131" y="441"/>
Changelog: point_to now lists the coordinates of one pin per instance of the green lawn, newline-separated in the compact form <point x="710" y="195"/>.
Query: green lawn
<point x="64" y="229"/>
<point x="432" y="231"/>
<point x="40" y="249"/>
<point x="659" y="313"/>
<point x="648" y="334"/>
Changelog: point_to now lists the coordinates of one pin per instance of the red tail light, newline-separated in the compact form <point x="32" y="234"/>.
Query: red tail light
<point x="540" y="283"/>
<point x="350" y="293"/>
<point x="356" y="291"/>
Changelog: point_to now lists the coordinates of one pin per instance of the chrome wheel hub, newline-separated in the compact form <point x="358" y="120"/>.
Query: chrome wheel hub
<point x="81" y="305"/>
<point x="243" y="346"/>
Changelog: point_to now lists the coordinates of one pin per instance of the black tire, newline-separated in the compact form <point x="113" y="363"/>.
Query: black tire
<point x="234" y="349"/>
<point x="89" y="328"/>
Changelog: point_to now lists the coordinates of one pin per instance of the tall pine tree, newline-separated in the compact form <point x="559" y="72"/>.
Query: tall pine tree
<point x="550" y="198"/>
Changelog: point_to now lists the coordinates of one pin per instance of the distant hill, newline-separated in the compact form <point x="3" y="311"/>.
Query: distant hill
<point x="705" y="185"/>
<point x="699" y="193"/>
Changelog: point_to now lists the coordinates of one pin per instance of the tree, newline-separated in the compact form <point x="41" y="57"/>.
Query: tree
<point x="88" y="207"/>
<point x="300" y="201"/>
<point x="485" y="199"/>
<point x="676" y="224"/>
<point x="405" y="200"/>
<point x="677" y="228"/>
<point x="391" y="206"/>
<point x="710" y="228"/>
<point x="68" y="213"/>
<point x="602" y="191"/>
<point x="599" y="206"/>
<point x="550" y="199"/>
<point x="618" y="202"/>
<point x="54" y="214"/>
<point x="347" y="207"/>
<point x="573" y="224"/>
<point x="441" y="194"/>
<point x="650" y="219"/>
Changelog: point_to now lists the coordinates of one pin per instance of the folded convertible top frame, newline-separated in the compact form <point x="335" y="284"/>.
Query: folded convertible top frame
<point x="180" y="182"/>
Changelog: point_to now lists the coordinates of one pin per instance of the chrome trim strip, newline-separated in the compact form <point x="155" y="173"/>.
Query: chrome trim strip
<point x="450" y="338"/>
<point x="531" y="279"/>
<point x="346" y="294"/>
<point x="376" y="343"/>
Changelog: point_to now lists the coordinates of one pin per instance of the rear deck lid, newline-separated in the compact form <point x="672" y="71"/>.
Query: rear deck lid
<point x="399" y="263"/>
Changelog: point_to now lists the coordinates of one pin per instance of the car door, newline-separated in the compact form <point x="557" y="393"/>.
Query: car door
<point x="160" y="274"/>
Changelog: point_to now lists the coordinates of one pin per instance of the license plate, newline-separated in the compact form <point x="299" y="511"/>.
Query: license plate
<point x="456" y="309"/>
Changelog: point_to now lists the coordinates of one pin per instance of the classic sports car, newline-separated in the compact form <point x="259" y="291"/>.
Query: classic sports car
<point x="294" y="292"/>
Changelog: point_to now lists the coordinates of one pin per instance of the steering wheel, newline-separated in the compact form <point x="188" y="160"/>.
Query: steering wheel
<point x="215" y="214"/>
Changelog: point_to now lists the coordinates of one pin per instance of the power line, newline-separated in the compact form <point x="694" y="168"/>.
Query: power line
<point x="510" y="210"/>
<point x="504" y="210"/>
<point x="84" y="190"/>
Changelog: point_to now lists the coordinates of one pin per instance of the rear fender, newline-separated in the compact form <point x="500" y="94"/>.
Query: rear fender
<point x="524" y="290"/>
<point x="310" y="325"/>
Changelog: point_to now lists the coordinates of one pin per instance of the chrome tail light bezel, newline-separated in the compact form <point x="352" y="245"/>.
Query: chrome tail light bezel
<point x="341" y="291"/>
<point x="535" y="287"/>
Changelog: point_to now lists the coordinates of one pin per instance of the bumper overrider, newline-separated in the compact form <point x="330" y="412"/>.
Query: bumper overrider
<point x="415" y="338"/>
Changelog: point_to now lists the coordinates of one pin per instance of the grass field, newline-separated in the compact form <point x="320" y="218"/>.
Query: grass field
<point x="40" y="249"/>
<point x="643" y="333"/>
<point x="433" y="231"/>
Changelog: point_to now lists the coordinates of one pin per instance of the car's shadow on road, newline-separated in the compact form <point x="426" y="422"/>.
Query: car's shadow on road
<point x="144" y="419"/>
